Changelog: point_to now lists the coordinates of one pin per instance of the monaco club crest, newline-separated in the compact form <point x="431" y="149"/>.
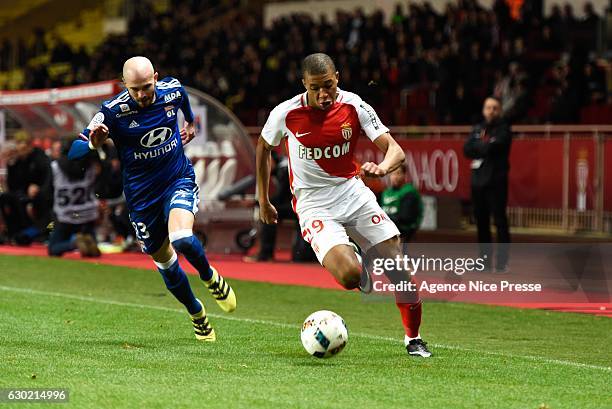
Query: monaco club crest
<point x="347" y="131"/>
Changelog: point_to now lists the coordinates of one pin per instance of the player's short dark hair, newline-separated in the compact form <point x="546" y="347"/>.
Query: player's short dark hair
<point x="494" y="98"/>
<point x="403" y="167"/>
<point x="318" y="64"/>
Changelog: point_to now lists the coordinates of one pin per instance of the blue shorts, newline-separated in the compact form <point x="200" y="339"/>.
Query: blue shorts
<point x="151" y="225"/>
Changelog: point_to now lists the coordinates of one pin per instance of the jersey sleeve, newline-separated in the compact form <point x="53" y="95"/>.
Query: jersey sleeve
<point x="186" y="106"/>
<point x="274" y="129"/>
<point x="369" y="121"/>
<point x="81" y="146"/>
<point x="104" y="116"/>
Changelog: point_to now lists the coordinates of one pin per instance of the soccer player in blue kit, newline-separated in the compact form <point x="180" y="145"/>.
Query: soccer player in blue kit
<point x="159" y="181"/>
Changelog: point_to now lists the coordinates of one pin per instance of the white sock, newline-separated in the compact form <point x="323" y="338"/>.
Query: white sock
<point x="407" y="339"/>
<point x="167" y="264"/>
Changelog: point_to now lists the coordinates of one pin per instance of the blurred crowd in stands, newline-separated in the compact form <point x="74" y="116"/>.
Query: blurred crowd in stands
<point x="30" y="204"/>
<point x="417" y="66"/>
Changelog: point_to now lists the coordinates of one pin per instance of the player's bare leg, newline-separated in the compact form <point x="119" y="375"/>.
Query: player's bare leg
<point x="409" y="304"/>
<point x="177" y="283"/>
<point x="164" y="253"/>
<point x="180" y="228"/>
<point x="342" y="262"/>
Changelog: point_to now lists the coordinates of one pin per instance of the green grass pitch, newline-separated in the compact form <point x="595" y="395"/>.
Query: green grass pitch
<point x="116" y="339"/>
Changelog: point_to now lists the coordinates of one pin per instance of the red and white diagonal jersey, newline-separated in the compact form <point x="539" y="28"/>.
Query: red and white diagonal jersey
<point x="321" y="143"/>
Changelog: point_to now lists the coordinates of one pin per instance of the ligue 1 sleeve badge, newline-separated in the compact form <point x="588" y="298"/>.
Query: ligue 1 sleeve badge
<point x="347" y="131"/>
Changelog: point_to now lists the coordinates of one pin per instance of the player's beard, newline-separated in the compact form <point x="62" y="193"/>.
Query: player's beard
<point x="145" y="102"/>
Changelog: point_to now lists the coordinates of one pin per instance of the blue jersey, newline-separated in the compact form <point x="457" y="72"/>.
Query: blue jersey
<point x="148" y="141"/>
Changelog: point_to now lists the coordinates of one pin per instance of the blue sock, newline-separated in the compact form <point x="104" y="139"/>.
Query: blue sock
<point x="178" y="284"/>
<point x="187" y="244"/>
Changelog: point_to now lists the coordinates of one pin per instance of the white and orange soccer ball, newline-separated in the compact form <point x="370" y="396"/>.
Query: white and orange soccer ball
<point x="324" y="334"/>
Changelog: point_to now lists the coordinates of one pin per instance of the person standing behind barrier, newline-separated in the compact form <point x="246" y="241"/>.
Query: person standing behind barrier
<point x="25" y="207"/>
<point x="403" y="204"/>
<point x="489" y="148"/>
<point x="75" y="205"/>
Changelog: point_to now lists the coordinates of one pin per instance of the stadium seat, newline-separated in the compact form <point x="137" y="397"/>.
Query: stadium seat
<point x="227" y="175"/>
<point x="199" y="168"/>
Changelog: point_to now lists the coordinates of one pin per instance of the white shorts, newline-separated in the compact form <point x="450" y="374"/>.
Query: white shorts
<point x="329" y="215"/>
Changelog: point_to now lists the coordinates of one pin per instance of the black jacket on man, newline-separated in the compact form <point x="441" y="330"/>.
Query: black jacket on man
<point x="33" y="169"/>
<point x="491" y="144"/>
<point x="489" y="148"/>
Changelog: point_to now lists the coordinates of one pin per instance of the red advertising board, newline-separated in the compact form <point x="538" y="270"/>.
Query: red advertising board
<point x="536" y="173"/>
<point x="607" y="175"/>
<point x="50" y="96"/>
<point x="435" y="167"/>
<point x="438" y="168"/>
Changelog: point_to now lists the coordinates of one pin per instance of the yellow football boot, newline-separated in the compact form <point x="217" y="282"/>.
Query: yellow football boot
<point x="221" y="292"/>
<point x="203" y="330"/>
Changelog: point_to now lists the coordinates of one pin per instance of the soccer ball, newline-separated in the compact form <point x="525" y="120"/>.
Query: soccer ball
<point x="324" y="334"/>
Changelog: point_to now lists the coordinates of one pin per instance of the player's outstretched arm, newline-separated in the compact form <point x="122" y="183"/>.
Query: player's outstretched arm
<point x="394" y="157"/>
<point x="267" y="212"/>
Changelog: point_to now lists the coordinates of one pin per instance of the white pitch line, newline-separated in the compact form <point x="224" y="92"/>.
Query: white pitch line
<point x="284" y="325"/>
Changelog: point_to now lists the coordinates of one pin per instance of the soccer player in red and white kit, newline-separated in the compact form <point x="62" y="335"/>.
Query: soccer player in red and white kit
<point x="320" y="129"/>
